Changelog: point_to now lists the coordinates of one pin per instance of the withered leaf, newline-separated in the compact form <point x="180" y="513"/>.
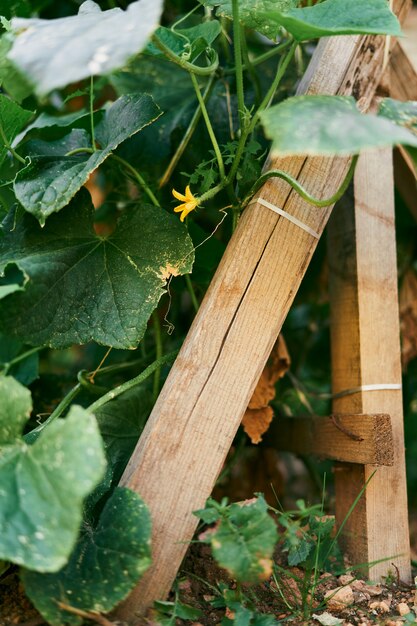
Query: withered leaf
<point x="259" y="414"/>
<point x="408" y="317"/>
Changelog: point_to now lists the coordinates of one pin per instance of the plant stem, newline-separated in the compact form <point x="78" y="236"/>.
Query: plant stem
<point x="79" y="151"/>
<point x="138" y="177"/>
<point x="93" y="138"/>
<point x="284" y="62"/>
<point x="262" y="57"/>
<point x="237" y="45"/>
<point x="209" y="126"/>
<point x="187" y="136"/>
<point x="9" y="147"/>
<point x="282" y="68"/>
<point x="191" y="291"/>
<point x="20" y="357"/>
<point x="190" y="67"/>
<point x="90" y="615"/>
<point x="65" y="402"/>
<point x="133" y="382"/>
<point x="300" y="189"/>
<point x="249" y="129"/>
<point x="159" y="353"/>
<point x="249" y="66"/>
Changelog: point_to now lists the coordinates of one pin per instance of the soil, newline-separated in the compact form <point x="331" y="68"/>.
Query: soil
<point x="199" y="578"/>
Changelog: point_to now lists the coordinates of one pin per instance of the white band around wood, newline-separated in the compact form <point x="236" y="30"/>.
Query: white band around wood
<point x="287" y="216"/>
<point x="382" y="387"/>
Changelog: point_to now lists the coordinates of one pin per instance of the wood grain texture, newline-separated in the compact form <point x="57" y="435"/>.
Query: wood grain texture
<point x="366" y="351"/>
<point x="198" y="412"/>
<point x="348" y="438"/>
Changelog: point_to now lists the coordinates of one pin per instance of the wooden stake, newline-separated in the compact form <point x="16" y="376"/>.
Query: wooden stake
<point x="366" y="351"/>
<point x="348" y="438"/>
<point x="198" y="412"/>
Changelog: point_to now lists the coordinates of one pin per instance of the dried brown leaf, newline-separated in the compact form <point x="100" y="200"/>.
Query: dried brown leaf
<point x="256" y="422"/>
<point x="259" y="414"/>
<point x="408" y="317"/>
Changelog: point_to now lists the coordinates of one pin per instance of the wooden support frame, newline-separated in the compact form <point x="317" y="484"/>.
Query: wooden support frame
<point x="365" y="439"/>
<point x="189" y="433"/>
<point x="366" y="351"/>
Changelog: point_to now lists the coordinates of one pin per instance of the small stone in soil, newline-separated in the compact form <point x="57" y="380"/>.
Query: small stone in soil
<point x="403" y="608"/>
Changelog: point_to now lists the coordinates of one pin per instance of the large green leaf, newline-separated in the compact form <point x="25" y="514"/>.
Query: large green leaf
<point x="52" y="179"/>
<point x="10" y="78"/>
<point x="12" y="280"/>
<point x="402" y="113"/>
<point x="338" y="17"/>
<point x="243" y="540"/>
<point x="188" y="42"/>
<point x="121" y="423"/>
<point x="43" y="485"/>
<point x="105" y="565"/>
<point x="173" y="92"/>
<point x="26" y="369"/>
<point x="12" y="118"/>
<point x="331" y="17"/>
<point x="55" y="53"/>
<point x="252" y="12"/>
<point x="15" y="409"/>
<point x="328" y="125"/>
<point x="82" y="286"/>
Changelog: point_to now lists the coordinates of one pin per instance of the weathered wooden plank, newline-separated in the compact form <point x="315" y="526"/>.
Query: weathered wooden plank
<point x="365" y="439"/>
<point x="366" y="351"/>
<point x="188" y="435"/>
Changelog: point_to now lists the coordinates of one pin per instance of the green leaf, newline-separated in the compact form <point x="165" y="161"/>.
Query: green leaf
<point x="299" y="551"/>
<point x="209" y="515"/>
<point x="402" y="113"/>
<point x="106" y="564"/>
<point x="331" y="17"/>
<point x="12" y="118"/>
<point x="172" y="91"/>
<point x="191" y="42"/>
<point x="337" y="17"/>
<point x="9" y="8"/>
<point x="43" y="487"/>
<point x="244" y="540"/>
<point x="328" y="125"/>
<point x="13" y="280"/>
<point x="85" y="287"/>
<point x="15" y="409"/>
<point x="168" y="612"/>
<point x="91" y="43"/>
<point x="10" y="78"/>
<point x="46" y="120"/>
<point x="25" y="370"/>
<point x="121" y="423"/>
<point x="252" y="12"/>
<point x="52" y="179"/>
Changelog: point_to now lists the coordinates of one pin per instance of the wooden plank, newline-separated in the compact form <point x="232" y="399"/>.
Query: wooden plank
<point x="402" y="75"/>
<point x="366" y="351"/>
<point x="410" y="39"/>
<point x="348" y="438"/>
<point x="198" y="412"/>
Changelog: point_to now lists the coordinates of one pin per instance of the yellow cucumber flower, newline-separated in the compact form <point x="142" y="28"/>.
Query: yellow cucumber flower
<point x="190" y="202"/>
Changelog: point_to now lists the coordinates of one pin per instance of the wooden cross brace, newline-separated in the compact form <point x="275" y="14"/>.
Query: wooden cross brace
<point x="198" y="412"/>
